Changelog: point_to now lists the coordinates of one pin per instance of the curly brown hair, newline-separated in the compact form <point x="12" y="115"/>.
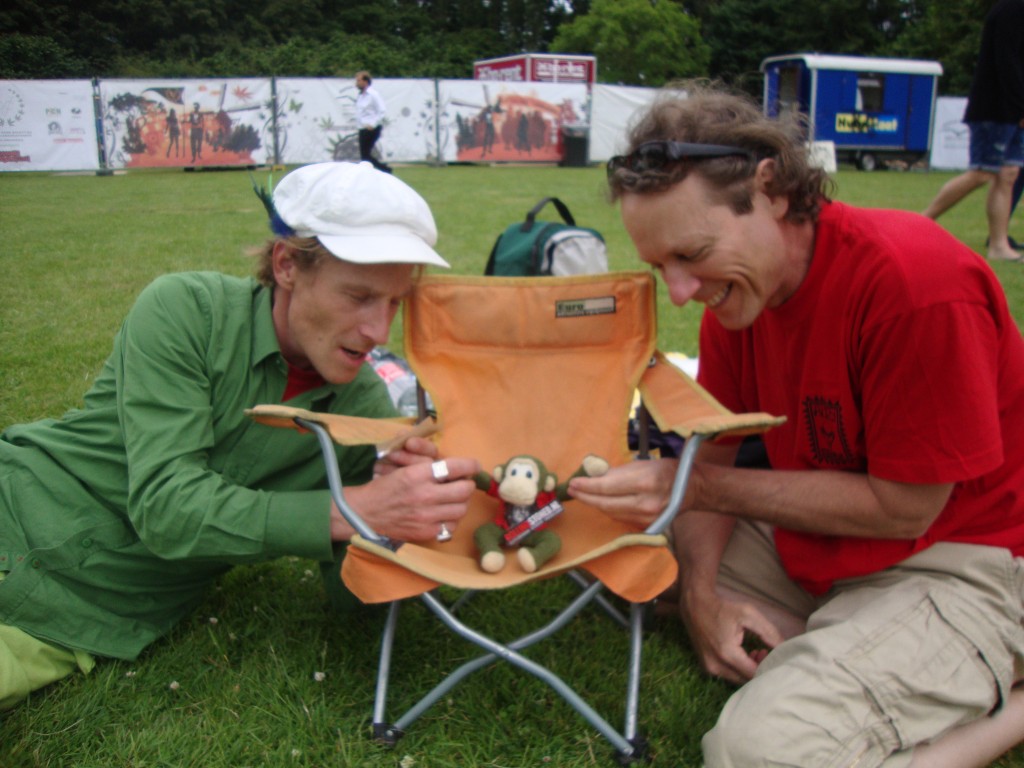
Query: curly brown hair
<point x="700" y="112"/>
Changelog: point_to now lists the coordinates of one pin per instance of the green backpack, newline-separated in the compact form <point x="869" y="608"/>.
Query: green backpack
<point x="533" y="248"/>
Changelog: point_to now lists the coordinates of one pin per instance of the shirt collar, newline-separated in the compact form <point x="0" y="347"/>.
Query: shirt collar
<point x="264" y="337"/>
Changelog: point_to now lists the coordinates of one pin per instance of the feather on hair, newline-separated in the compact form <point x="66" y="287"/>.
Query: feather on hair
<point x="277" y="225"/>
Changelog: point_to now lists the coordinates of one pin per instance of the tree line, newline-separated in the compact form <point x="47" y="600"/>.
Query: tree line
<point x="637" y="42"/>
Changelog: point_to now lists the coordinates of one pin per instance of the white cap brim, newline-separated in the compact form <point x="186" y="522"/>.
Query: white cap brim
<point x="382" y="249"/>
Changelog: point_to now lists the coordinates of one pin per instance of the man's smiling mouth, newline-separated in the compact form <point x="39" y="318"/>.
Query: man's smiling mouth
<point x="719" y="297"/>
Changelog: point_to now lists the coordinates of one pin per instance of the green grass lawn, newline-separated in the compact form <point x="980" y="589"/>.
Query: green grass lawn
<point x="237" y="685"/>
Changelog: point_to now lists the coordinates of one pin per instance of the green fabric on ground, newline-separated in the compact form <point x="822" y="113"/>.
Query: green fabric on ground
<point x="27" y="664"/>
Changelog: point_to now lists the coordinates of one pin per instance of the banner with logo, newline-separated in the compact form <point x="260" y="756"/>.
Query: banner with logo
<point x="317" y="120"/>
<point x="950" y="137"/>
<point x="47" y="125"/>
<point x="488" y="121"/>
<point x="159" y="123"/>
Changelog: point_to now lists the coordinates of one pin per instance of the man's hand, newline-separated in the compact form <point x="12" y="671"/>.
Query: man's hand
<point x="635" y="493"/>
<point x="731" y="636"/>
<point x="405" y="500"/>
<point x="415" y="450"/>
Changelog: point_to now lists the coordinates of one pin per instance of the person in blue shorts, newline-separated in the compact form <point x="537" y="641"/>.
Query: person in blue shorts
<point x="995" y="117"/>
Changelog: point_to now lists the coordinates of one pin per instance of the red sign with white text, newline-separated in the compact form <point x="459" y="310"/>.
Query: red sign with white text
<point x="538" y="68"/>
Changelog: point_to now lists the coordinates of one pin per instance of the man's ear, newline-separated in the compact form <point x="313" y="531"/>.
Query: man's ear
<point x="764" y="182"/>
<point x="284" y="265"/>
<point x="764" y="175"/>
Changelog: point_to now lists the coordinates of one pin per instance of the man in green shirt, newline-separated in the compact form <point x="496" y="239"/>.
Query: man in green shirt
<point x="115" y="518"/>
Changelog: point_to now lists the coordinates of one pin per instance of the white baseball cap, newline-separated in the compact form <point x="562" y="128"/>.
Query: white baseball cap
<point x="359" y="214"/>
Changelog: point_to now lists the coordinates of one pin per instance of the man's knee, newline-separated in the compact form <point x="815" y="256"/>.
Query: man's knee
<point x="752" y="732"/>
<point x="1008" y="175"/>
<point x="765" y="726"/>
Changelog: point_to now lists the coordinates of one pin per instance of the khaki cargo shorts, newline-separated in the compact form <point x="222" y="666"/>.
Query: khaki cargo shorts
<point x="888" y="661"/>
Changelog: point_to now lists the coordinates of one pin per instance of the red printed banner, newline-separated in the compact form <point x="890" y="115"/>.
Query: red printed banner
<point x="189" y="123"/>
<point x="491" y="121"/>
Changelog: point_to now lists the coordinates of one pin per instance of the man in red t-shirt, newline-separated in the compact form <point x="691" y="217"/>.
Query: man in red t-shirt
<point x="867" y="591"/>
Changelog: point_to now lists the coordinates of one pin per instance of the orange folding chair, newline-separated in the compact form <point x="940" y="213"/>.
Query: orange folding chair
<point x="546" y="367"/>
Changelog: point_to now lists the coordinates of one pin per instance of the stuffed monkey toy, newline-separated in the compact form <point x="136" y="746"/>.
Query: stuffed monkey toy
<point x="530" y="496"/>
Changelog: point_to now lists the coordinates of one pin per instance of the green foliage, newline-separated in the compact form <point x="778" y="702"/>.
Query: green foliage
<point x="24" y="57"/>
<point x="742" y="33"/>
<point x="637" y="42"/>
<point x="404" y="38"/>
<point x="948" y="31"/>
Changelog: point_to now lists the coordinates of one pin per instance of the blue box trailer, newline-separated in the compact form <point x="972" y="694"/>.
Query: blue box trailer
<point x="873" y="109"/>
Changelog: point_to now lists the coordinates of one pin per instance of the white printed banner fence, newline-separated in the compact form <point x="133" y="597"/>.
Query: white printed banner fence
<point x="950" y="136"/>
<point x="614" y="108"/>
<point x="316" y="120"/>
<point x="47" y="125"/>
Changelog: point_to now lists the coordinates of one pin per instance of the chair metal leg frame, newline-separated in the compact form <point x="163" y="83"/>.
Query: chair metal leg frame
<point x="389" y="734"/>
<point x="474" y="664"/>
<point x="679" y="484"/>
<point x="335" y="482"/>
<point x="464" y="598"/>
<point x="509" y="653"/>
<point x="381" y="730"/>
<point x="628" y="745"/>
<point x="603" y="602"/>
<point x="636" y="627"/>
<point x="575" y="576"/>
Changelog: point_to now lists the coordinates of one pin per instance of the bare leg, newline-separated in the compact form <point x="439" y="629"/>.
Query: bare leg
<point x="955" y="190"/>
<point x="976" y="744"/>
<point x="997" y="209"/>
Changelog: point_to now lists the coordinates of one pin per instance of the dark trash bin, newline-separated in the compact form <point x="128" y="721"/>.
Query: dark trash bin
<point x="575" y="145"/>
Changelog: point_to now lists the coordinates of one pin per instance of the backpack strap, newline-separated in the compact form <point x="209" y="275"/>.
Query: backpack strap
<point x="534" y="268"/>
<point x="562" y="208"/>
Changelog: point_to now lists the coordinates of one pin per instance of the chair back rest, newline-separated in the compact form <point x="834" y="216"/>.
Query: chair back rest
<point x="542" y="366"/>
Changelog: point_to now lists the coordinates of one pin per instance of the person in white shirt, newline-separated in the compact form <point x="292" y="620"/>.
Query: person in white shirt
<point x="370" y="117"/>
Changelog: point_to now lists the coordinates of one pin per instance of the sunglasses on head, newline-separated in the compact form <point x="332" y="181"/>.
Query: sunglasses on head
<point x="655" y="155"/>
